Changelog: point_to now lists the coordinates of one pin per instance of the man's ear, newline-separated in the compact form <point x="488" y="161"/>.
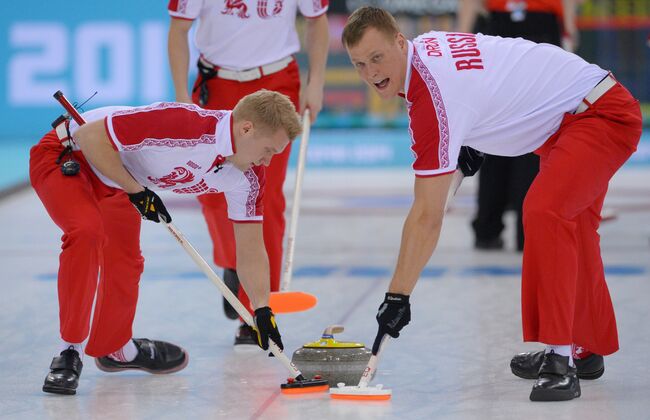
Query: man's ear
<point x="246" y="127"/>
<point x="401" y="40"/>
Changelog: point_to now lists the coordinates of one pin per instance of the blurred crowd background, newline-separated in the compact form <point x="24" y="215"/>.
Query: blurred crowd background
<point x="118" y="49"/>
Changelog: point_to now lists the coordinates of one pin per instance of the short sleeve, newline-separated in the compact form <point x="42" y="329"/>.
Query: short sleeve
<point x="185" y="9"/>
<point x="245" y="203"/>
<point x="429" y="141"/>
<point x="313" y="8"/>
<point x="435" y="141"/>
<point x="168" y="124"/>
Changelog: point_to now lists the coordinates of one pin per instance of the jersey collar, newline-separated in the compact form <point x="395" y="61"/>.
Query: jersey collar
<point x="225" y="136"/>
<point x="407" y="79"/>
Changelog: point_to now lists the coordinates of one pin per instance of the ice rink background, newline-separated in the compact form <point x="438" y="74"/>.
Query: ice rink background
<point x="451" y="362"/>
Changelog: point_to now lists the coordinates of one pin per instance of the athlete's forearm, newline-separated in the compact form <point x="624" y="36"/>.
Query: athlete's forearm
<point x="468" y="11"/>
<point x="569" y="17"/>
<point x="252" y="262"/>
<point x="421" y="231"/>
<point x="178" y="51"/>
<point x="419" y="239"/>
<point x="569" y="14"/>
<point x="97" y="149"/>
<point x="317" y="41"/>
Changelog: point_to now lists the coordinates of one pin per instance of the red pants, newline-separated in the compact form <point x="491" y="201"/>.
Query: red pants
<point x="564" y="295"/>
<point x="101" y="235"/>
<point x="224" y="94"/>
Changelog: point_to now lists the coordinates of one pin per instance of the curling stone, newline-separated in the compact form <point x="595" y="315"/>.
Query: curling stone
<point x="335" y="361"/>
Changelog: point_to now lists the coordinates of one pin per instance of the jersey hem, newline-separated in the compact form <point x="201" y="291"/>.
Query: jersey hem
<point x="109" y="135"/>
<point x="318" y="15"/>
<point x="417" y="175"/>
<point x="180" y="17"/>
<point x="245" y="221"/>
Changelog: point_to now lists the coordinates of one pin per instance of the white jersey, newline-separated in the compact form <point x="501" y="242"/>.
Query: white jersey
<point x="502" y="96"/>
<point x="181" y="148"/>
<point x="242" y="34"/>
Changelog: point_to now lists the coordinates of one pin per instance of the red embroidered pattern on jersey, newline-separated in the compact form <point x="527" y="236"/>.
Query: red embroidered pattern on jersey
<point x="410" y="129"/>
<point x="179" y="175"/>
<point x="166" y="105"/>
<point x="254" y="191"/>
<point x="200" y="188"/>
<point x="204" y="139"/>
<point x="262" y="6"/>
<point x="236" y="6"/>
<point x="439" y="106"/>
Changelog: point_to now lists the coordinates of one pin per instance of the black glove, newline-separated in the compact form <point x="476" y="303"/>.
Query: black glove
<point x="265" y="328"/>
<point x="150" y="206"/>
<point x="393" y="315"/>
<point x="470" y="160"/>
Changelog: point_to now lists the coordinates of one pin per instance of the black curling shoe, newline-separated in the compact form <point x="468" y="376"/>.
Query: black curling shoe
<point x="557" y="380"/>
<point x="494" y="244"/>
<point x="65" y="370"/>
<point x="526" y="365"/>
<point x="246" y="337"/>
<point x="153" y="357"/>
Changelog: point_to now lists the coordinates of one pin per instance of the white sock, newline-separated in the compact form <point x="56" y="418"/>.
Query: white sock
<point x="562" y="351"/>
<point x="79" y="347"/>
<point x="126" y="353"/>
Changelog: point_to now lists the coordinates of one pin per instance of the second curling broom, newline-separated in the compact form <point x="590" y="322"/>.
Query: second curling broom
<point x="363" y="391"/>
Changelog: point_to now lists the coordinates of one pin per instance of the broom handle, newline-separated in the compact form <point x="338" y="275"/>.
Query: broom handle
<point x="295" y="207"/>
<point x="225" y="291"/>
<point x="455" y="185"/>
<point x="372" y="364"/>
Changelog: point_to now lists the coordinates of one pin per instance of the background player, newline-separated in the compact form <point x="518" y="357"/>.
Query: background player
<point x="246" y="45"/>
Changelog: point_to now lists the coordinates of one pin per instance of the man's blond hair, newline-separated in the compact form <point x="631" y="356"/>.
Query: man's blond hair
<point x="269" y="111"/>
<point x="368" y="17"/>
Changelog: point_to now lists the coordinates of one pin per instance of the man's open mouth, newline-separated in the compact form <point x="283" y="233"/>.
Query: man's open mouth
<point x="382" y="84"/>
